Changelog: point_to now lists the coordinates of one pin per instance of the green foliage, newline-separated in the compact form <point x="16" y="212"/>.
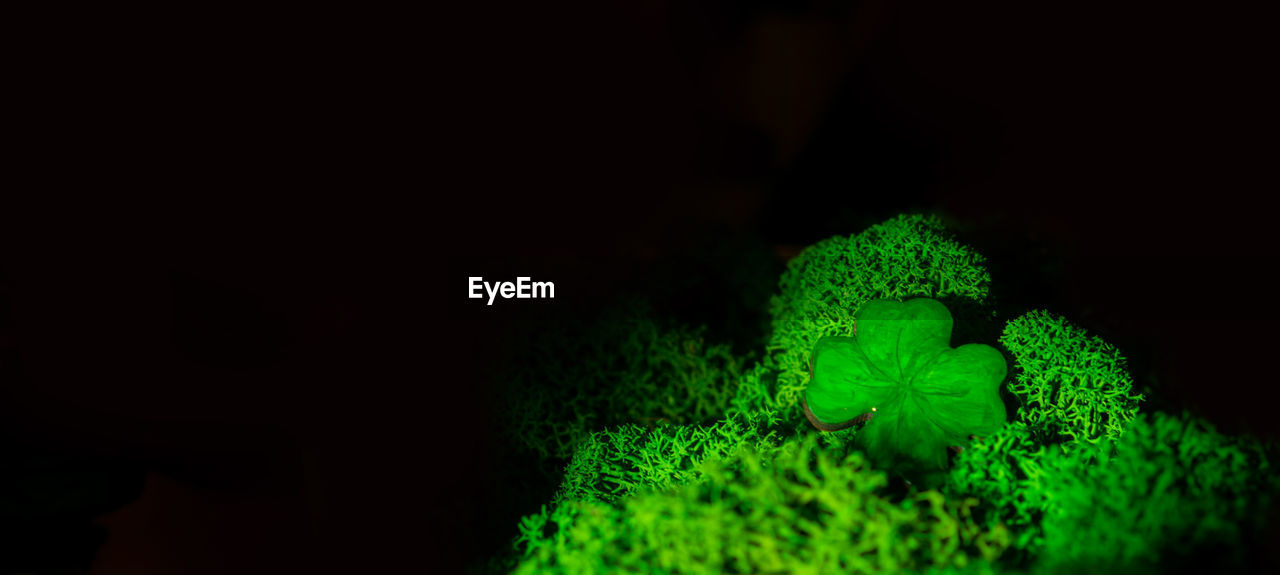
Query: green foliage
<point x="1073" y="387"/>
<point x="801" y="510"/>
<point x="618" y="462"/>
<point x="923" y="394"/>
<point x="755" y="391"/>
<point x="1174" y="484"/>
<point x="1004" y="471"/>
<point x="625" y="367"/>
<point x="1168" y="488"/>
<point x="1076" y="480"/>
<point x="909" y="256"/>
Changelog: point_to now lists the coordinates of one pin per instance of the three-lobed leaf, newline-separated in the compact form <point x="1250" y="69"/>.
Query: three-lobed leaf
<point x="924" y="395"/>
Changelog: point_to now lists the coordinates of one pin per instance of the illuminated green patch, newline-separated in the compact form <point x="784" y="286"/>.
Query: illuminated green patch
<point x="1072" y="387"/>
<point x="618" y="462"/>
<point x="801" y="509"/>
<point x="922" y="395"/>
<point x="1170" y="487"/>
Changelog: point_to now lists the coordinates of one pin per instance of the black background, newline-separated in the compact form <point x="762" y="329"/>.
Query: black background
<point x="244" y="263"/>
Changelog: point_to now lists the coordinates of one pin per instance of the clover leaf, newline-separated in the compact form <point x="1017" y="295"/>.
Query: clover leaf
<point x="917" y="394"/>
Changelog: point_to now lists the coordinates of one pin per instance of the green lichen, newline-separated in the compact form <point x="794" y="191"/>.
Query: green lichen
<point x="618" y="462"/>
<point x="755" y="391"/>
<point x="801" y="509"/>
<point x="1004" y="471"/>
<point x="1169" y="489"/>
<point x="1072" y="387"/>
<point x="1174" y="487"/>
<point x="909" y="256"/>
<point x="624" y="367"/>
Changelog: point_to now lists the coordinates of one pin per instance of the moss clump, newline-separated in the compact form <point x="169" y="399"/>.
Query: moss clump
<point x="624" y="367"/>
<point x="755" y="391"/>
<point x="1173" y="487"/>
<point x="1004" y="471"/>
<point x="1169" y="490"/>
<point x="803" y="510"/>
<point x="1072" y="387"/>
<point x="618" y="462"/>
<point x="909" y="256"/>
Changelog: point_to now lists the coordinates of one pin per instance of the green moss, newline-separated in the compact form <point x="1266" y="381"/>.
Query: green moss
<point x="755" y="391"/>
<point x="805" y="509"/>
<point x="623" y="367"/>
<point x="909" y="256"/>
<point x="1072" y="387"/>
<point x="618" y="462"/>
<point x="1174" y="486"/>
<point x="1004" y="471"/>
<point x="1169" y="489"/>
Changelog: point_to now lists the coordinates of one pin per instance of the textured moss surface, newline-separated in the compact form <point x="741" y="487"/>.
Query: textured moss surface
<point x="800" y="508"/>
<point x="1072" y="387"/>
<point x="618" y="462"/>
<point x="1170" y="487"/>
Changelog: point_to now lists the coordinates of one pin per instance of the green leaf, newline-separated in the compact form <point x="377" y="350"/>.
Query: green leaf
<point x="923" y="395"/>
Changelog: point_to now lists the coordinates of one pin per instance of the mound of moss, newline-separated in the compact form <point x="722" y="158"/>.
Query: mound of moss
<point x="617" y="462"/>
<point x="909" y="256"/>
<point x="1071" y="386"/>
<point x="1169" y="490"/>
<point x="799" y="509"/>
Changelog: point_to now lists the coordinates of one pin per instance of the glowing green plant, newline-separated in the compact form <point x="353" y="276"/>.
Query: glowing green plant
<point x="1004" y="470"/>
<point x="755" y="391"/>
<point x="1170" y="487"/>
<point x="1073" y="387"/>
<point x="798" y="509"/>
<point x="908" y="256"/>
<point x="917" y="393"/>
<point x="617" y="462"/>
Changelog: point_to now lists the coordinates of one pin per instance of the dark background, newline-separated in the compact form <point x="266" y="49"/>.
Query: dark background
<point x="260" y="304"/>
